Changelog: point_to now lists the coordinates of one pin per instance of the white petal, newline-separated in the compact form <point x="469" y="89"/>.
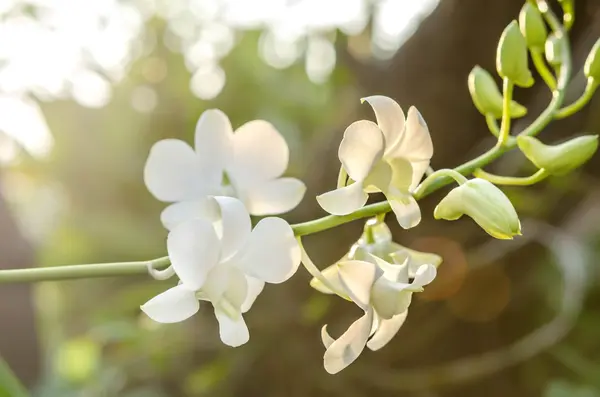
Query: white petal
<point x="402" y="174"/>
<point x="173" y="172"/>
<point x="425" y="275"/>
<point x="236" y="291"/>
<point x="415" y="144"/>
<point x="234" y="226"/>
<point x="272" y="253"/>
<point x="182" y="211"/>
<point x="379" y="178"/>
<point x="386" y="330"/>
<point x="259" y="154"/>
<point x="405" y="208"/>
<point x="344" y="200"/>
<point x="326" y="338"/>
<point x="172" y="306"/>
<point x="390" y="117"/>
<point x="346" y="349"/>
<point x="233" y="331"/>
<point x="194" y="250"/>
<point x="226" y="287"/>
<point x="273" y="197"/>
<point x="390" y="298"/>
<point x="331" y="274"/>
<point x="390" y="271"/>
<point x="255" y="287"/>
<point x="418" y="170"/>
<point x="214" y="137"/>
<point x="361" y="147"/>
<point x="357" y="278"/>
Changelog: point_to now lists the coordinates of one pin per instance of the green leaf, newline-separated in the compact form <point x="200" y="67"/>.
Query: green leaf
<point x="10" y="386"/>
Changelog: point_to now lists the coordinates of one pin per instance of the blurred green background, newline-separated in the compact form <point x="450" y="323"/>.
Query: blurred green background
<point x="87" y="87"/>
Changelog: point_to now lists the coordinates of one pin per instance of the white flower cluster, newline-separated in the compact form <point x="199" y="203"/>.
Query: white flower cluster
<point x="214" y="187"/>
<point x="212" y="247"/>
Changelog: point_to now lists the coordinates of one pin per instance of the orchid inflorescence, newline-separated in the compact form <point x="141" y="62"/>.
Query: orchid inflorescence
<point x="215" y="187"/>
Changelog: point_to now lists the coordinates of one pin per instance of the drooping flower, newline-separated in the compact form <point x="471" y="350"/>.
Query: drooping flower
<point x="246" y="164"/>
<point x="226" y="263"/>
<point x="384" y="292"/>
<point x="390" y="157"/>
<point x="376" y="240"/>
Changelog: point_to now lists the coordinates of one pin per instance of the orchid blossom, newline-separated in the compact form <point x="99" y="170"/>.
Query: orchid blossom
<point x="223" y="261"/>
<point x="247" y="164"/>
<point x="384" y="292"/>
<point x="390" y="157"/>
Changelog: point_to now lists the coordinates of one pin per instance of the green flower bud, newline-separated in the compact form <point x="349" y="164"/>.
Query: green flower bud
<point x="592" y="63"/>
<point x="486" y="204"/>
<point x="511" y="57"/>
<point x="555" y="47"/>
<point x="559" y="159"/>
<point x="532" y="26"/>
<point x="487" y="97"/>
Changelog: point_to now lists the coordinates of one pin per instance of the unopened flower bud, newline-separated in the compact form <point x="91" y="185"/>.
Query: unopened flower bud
<point x="486" y="204"/>
<point x="511" y="57"/>
<point x="559" y="159"/>
<point x="532" y="26"/>
<point x="487" y="97"/>
<point x="591" y="69"/>
<point x="555" y="47"/>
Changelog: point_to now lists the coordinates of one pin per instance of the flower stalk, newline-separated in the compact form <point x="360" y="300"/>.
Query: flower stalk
<point x="432" y="183"/>
<point x="539" y="176"/>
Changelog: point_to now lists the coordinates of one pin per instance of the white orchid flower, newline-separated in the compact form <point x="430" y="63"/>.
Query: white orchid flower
<point x="246" y="164"/>
<point x="384" y="292"/>
<point x="227" y="263"/>
<point x="390" y="157"/>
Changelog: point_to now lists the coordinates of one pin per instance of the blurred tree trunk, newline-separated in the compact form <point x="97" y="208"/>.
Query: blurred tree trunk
<point x="19" y="345"/>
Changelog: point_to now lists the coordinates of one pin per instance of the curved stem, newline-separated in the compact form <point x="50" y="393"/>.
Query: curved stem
<point x="81" y="271"/>
<point x="313" y="269"/>
<point x="567" y="111"/>
<point x="431" y="179"/>
<point x="540" y="175"/>
<point x="507" y="87"/>
<point x="492" y="124"/>
<point x="542" y="68"/>
<point x="160" y="275"/>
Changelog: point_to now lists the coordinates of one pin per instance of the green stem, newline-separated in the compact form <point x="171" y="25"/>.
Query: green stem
<point x="542" y="68"/>
<point x="330" y="221"/>
<point x="567" y="111"/>
<point x="433" y="178"/>
<point x="540" y="175"/>
<point x="81" y="271"/>
<point x="427" y="187"/>
<point x="507" y="87"/>
<point x="492" y="124"/>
